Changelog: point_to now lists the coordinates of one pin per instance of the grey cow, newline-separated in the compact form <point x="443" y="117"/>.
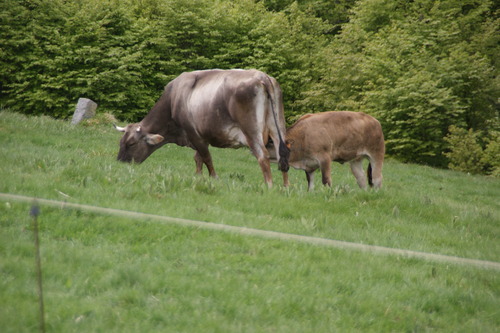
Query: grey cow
<point x="222" y="108"/>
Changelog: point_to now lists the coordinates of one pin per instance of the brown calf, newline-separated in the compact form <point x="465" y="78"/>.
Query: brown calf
<point x="341" y="136"/>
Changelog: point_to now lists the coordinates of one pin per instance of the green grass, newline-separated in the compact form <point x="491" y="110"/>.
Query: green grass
<point x="106" y="273"/>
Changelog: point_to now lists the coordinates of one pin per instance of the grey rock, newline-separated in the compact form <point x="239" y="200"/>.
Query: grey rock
<point x="85" y="109"/>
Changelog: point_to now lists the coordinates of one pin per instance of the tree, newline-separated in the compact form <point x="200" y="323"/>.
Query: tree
<point x="122" y="53"/>
<point x="417" y="67"/>
<point x="334" y="13"/>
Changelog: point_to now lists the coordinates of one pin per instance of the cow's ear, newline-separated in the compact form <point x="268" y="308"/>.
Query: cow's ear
<point x="154" y="139"/>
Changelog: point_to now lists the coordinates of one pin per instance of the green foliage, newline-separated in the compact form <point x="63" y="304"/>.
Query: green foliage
<point x="466" y="152"/>
<point x="418" y="66"/>
<point x="122" y="53"/>
<point x="75" y="49"/>
<point x="100" y="119"/>
<point x="333" y="12"/>
<point x="491" y="154"/>
<point x="285" y="48"/>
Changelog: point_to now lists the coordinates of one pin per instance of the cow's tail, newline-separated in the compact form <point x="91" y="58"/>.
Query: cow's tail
<point x="369" y="174"/>
<point x="284" y="152"/>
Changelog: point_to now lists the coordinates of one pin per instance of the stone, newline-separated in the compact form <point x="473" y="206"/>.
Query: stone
<point x="85" y="109"/>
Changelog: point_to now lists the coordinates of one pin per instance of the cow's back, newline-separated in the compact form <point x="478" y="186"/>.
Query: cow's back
<point x="193" y="93"/>
<point x="208" y="104"/>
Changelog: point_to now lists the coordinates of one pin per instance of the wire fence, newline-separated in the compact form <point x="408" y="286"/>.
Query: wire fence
<point x="374" y="249"/>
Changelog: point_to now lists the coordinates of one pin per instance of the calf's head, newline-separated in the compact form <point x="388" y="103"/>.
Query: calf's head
<point x="271" y="148"/>
<point x="137" y="144"/>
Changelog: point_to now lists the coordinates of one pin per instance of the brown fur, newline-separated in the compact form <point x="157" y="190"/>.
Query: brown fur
<point x="316" y="140"/>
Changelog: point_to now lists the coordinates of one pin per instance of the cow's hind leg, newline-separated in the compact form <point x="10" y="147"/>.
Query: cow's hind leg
<point x="357" y="170"/>
<point x="266" y="169"/>
<point x="260" y="152"/>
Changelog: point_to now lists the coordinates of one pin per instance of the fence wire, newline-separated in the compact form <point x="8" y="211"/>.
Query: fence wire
<point x="258" y="232"/>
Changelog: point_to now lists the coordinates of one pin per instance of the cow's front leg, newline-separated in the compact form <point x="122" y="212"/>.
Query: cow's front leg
<point x="202" y="156"/>
<point x="199" y="163"/>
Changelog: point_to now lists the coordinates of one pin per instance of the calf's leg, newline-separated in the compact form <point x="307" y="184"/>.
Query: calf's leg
<point x="286" y="183"/>
<point x="326" y="170"/>
<point x="377" y="173"/>
<point x="357" y="170"/>
<point x="310" y="180"/>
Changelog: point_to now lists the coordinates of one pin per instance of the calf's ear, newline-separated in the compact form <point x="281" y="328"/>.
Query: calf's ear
<point x="154" y="139"/>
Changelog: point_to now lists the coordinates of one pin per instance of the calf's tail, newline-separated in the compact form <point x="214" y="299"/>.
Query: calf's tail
<point x="369" y="174"/>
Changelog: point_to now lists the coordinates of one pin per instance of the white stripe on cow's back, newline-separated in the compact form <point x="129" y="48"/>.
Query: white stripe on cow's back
<point x="205" y="91"/>
<point x="257" y="232"/>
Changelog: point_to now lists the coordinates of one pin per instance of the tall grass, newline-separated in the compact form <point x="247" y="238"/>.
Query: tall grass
<point x="113" y="274"/>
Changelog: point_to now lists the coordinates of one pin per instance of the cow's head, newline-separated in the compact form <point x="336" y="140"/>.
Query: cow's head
<point x="136" y="144"/>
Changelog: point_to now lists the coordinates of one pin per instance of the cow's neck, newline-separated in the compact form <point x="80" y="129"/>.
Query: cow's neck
<point x="159" y="121"/>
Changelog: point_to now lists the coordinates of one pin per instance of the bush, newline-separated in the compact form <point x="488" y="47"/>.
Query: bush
<point x="74" y="49"/>
<point x="491" y="156"/>
<point x="465" y="152"/>
<point x="468" y="155"/>
<point x="418" y="67"/>
<point x="122" y="53"/>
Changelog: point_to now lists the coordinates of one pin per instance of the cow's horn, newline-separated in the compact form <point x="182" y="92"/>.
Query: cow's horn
<point x="118" y="128"/>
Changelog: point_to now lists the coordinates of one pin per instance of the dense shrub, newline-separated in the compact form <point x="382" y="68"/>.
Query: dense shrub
<point x="74" y="49"/>
<point x="465" y="152"/>
<point x="491" y="154"/>
<point x="418" y="66"/>
<point x="470" y="152"/>
<point x="122" y="53"/>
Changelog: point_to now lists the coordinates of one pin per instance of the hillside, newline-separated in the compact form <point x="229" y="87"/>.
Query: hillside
<point x="118" y="274"/>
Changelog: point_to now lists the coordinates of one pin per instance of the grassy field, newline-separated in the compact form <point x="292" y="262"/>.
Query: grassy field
<point x="105" y="273"/>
